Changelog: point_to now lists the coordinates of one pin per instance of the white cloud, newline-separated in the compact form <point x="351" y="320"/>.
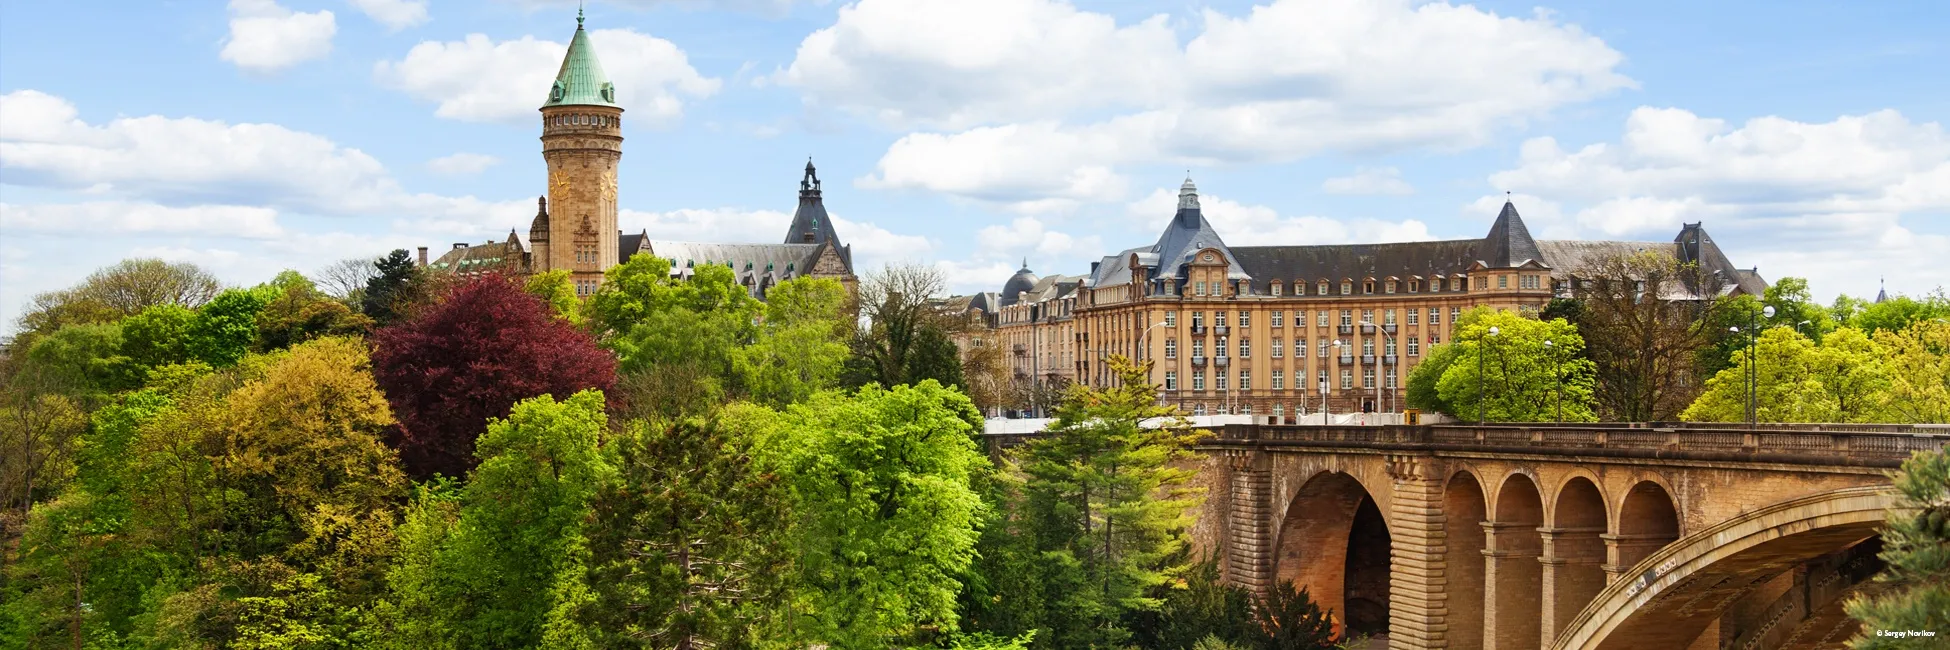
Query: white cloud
<point x="1827" y="200"/>
<point x="394" y="14"/>
<point x="478" y="79"/>
<point x="124" y="218"/>
<point x="1035" y="100"/>
<point x="462" y="164"/>
<point x="1383" y="180"/>
<point x="266" y="37"/>
<point x="192" y="161"/>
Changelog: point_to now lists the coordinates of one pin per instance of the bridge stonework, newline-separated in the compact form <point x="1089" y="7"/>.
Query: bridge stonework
<point x="1512" y="537"/>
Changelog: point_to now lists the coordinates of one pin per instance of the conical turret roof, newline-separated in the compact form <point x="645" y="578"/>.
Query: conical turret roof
<point x="581" y="81"/>
<point x="1509" y="243"/>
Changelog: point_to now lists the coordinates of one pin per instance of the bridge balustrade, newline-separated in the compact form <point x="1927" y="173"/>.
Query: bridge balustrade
<point x="1894" y="442"/>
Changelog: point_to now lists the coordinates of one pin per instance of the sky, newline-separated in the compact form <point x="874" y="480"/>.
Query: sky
<point x="262" y="135"/>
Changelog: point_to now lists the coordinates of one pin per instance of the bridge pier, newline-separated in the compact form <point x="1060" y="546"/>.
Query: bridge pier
<point x="1572" y="574"/>
<point x="1512" y="579"/>
<point x="1417" y="592"/>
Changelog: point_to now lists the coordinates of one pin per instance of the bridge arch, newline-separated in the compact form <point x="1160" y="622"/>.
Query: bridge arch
<point x="1667" y="599"/>
<point x="1334" y="542"/>
<point x="1648" y="520"/>
<point x="1574" y="552"/>
<point x="1465" y="509"/>
<point x="1511" y="574"/>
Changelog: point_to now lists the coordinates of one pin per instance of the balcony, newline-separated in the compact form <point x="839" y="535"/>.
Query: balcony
<point x="1198" y="329"/>
<point x="1367" y="328"/>
<point x="1390" y="360"/>
<point x="1198" y="359"/>
<point x="1221" y="361"/>
<point x="1347" y="329"/>
<point x="1367" y="359"/>
<point x="1347" y="359"/>
<point x="1021" y="351"/>
<point x="1388" y="327"/>
<point x="1220" y="330"/>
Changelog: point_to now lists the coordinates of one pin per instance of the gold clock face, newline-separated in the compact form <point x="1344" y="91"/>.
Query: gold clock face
<point x="558" y="181"/>
<point x="609" y="186"/>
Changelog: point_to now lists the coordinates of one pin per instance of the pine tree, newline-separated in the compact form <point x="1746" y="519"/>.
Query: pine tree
<point x="1916" y="550"/>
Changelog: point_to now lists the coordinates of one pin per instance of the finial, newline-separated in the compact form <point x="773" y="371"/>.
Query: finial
<point x="578" y="15"/>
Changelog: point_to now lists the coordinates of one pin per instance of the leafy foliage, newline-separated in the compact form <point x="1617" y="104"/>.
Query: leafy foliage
<point x="799" y="348"/>
<point x="1917" y="364"/>
<point x="1916" y="555"/>
<point x="1422" y="391"/>
<point x="1289" y="618"/>
<point x="225" y="329"/>
<point x="389" y="291"/>
<point x="1512" y="376"/>
<point x="1795" y="380"/>
<point x="556" y="289"/>
<point x="124" y="289"/>
<point x="1647" y="335"/>
<point x="299" y="312"/>
<point x="471" y="357"/>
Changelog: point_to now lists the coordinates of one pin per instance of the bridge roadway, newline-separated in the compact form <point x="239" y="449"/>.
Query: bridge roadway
<point x="1572" y="537"/>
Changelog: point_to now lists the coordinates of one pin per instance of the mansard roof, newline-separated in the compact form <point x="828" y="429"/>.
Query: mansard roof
<point x="1186" y="235"/>
<point x="1337" y="262"/>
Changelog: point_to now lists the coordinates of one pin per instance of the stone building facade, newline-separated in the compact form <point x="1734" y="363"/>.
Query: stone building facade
<point x="1287" y="330"/>
<point x="575" y="225"/>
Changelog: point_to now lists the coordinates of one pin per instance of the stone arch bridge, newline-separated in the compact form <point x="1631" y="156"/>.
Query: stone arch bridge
<point x="1573" y="537"/>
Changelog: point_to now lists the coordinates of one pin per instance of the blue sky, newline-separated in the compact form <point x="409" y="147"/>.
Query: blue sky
<point x="270" y="134"/>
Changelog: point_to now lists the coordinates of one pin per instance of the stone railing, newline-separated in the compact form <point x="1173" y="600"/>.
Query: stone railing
<point x="1889" y="445"/>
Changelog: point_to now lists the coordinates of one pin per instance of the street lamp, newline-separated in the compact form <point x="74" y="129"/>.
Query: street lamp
<point x="1324" y="404"/>
<point x="1481" y="354"/>
<point x="1557" y="377"/>
<point x="1384" y="365"/>
<point x="1753" y="360"/>
<point x="1144" y="351"/>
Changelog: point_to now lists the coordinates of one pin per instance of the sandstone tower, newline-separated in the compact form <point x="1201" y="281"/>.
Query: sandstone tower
<point x="582" y="140"/>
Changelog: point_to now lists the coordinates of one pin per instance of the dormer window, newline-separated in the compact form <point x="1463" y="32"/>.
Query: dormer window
<point x="1347" y="287"/>
<point x="1414" y="286"/>
<point x="1275" y="288"/>
<point x="1322" y="289"/>
<point x="1391" y="286"/>
<point x="1367" y="287"/>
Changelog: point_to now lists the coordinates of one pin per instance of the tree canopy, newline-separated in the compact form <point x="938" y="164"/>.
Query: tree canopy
<point x="1528" y="370"/>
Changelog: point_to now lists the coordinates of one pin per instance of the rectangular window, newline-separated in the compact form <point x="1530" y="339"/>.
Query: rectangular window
<point x="1367" y="377"/>
<point x="1322" y="319"/>
<point x="1220" y="347"/>
<point x="1320" y="383"/>
<point x="1347" y="378"/>
<point x="1367" y="347"/>
<point x="1367" y="287"/>
<point x="1245" y="348"/>
<point x="1279" y="410"/>
<point x="1299" y="348"/>
<point x="1435" y="338"/>
<point x="1321" y="289"/>
<point x="1502" y="282"/>
<point x="1171" y="380"/>
<point x="1245" y="379"/>
<point x="1222" y="378"/>
<point x="1276" y="348"/>
<point x="1198" y="347"/>
<point x="1347" y="317"/>
<point x="1347" y="288"/>
<point x="1279" y="318"/>
<point x="1388" y="317"/>
<point x="1279" y="383"/>
<point x="1198" y="380"/>
<point x="1198" y="319"/>
<point x="1414" y="346"/>
<point x="1171" y="319"/>
<point x="1388" y="348"/>
<point x="1414" y="316"/>
<point x="1171" y="348"/>
<point x="1435" y="286"/>
<point x="1276" y="288"/>
<point x="1323" y="348"/>
<point x="1391" y="378"/>
<point x="1435" y="315"/>
<point x="1456" y="284"/>
<point x="1414" y="286"/>
<point x="1245" y="319"/>
<point x="1453" y="313"/>
<point x="1219" y="319"/>
<point x="1198" y="288"/>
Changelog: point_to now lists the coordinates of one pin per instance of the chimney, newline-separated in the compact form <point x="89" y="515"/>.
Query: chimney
<point x="423" y="256"/>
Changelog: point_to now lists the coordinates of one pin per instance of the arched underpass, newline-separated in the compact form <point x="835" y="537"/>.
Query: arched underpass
<point x="1334" y="542"/>
<point x="1672" y="596"/>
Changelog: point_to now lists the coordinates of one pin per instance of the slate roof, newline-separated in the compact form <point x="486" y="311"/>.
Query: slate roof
<point x="477" y="258"/>
<point x="810" y="224"/>
<point x="1356" y="262"/>
<point x="757" y="266"/>
<point x="630" y="245"/>
<point x="580" y="81"/>
<point x="1023" y="280"/>
<point x="1509" y="243"/>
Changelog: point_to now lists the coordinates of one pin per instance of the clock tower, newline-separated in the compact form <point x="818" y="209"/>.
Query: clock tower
<point x="582" y="141"/>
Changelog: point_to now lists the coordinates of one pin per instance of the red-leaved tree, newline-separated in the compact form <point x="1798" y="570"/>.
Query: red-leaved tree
<point x="470" y="357"/>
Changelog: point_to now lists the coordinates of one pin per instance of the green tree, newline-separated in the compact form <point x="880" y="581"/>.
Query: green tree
<point x="676" y="339"/>
<point x="1109" y="506"/>
<point x="1916" y="555"/>
<point x="1197" y="607"/>
<point x="1917" y="363"/>
<point x="389" y="290"/>
<point x="1795" y="308"/>
<point x="1517" y="377"/>
<point x="118" y="291"/>
<point x="1796" y="380"/>
<point x="225" y="329"/>
<point x="906" y="339"/>
<point x="511" y="570"/>
<point x="158" y="336"/>
<point x="81" y="361"/>
<point x="1289" y="618"/>
<point x="299" y="312"/>
<point x="801" y="342"/>
<point x="686" y="544"/>
<point x="1649" y="323"/>
<point x="1422" y="390"/>
<point x="1899" y="312"/>
<point x="883" y="515"/>
<point x="556" y="288"/>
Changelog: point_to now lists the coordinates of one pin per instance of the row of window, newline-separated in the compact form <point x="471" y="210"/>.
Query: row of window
<point x="582" y="120"/>
<point x="1220" y="379"/>
<point x="1414" y="344"/>
<point x="1414" y="285"/>
<point x="1278" y="318"/>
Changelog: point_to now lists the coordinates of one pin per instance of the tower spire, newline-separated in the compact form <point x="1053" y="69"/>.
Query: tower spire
<point x="581" y="81"/>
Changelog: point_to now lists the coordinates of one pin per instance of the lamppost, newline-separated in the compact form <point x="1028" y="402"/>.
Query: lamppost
<point x="1753" y="360"/>
<point x="1324" y="403"/>
<point x="1384" y="364"/>
<point x="1480" y="356"/>
<point x="1144" y="351"/>
<point x="1557" y="379"/>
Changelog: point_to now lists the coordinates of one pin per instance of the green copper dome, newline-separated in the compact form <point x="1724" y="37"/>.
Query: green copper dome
<point x="581" y="81"/>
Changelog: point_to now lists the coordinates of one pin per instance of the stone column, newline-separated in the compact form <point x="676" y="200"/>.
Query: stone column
<point x="1573" y="573"/>
<point x="1249" y="525"/>
<point x="1511" y="581"/>
<point x="1417" y="604"/>
<point x="1623" y="551"/>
